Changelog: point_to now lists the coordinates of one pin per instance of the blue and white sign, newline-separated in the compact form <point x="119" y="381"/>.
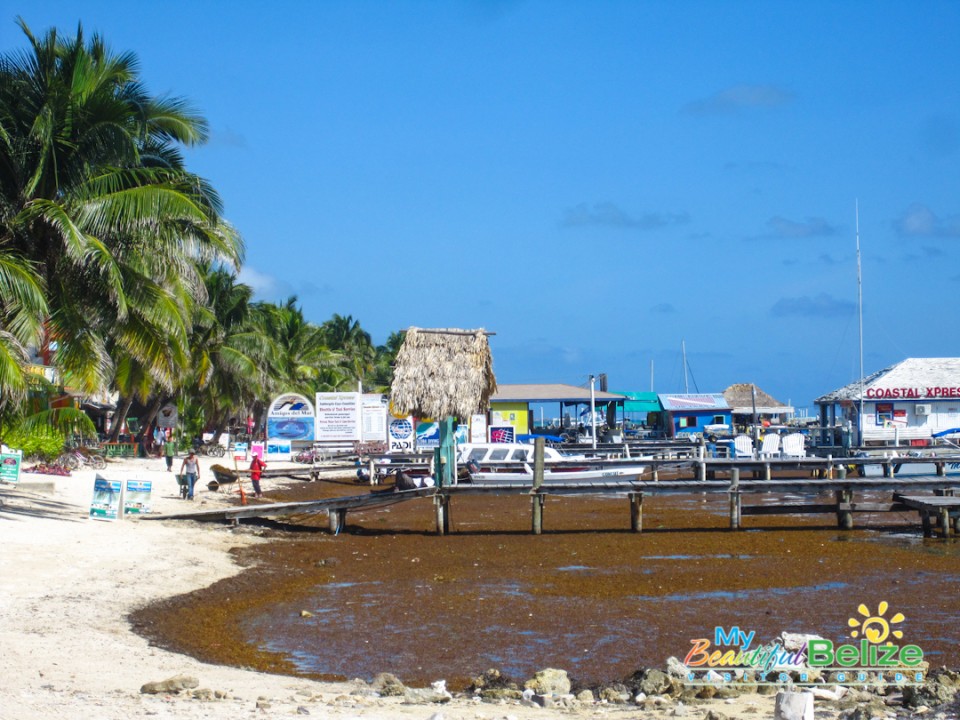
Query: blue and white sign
<point x="401" y="435"/>
<point x="136" y="497"/>
<point x="290" y="417"/>
<point x="106" y="499"/>
<point x="278" y="450"/>
<point x="428" y="435"/>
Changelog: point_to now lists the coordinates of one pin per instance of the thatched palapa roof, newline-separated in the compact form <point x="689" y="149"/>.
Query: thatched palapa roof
<point x="740" y="398"/>
<point x="443" y="372"/>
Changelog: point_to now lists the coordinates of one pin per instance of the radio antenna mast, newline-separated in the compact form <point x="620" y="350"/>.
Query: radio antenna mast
<point x="860" y="317"/>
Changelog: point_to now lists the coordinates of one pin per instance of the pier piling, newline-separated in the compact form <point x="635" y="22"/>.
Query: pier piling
<point x="538" y="498"/>
<point x="735" y="499"/>
<point x="636" y="512"/>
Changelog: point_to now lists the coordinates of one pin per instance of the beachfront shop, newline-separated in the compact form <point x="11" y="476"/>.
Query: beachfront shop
<point x="640" y="409"/>
<point x="694" y="415"/>
<point x="914" y="401"/>
<point x="552" y="408"/>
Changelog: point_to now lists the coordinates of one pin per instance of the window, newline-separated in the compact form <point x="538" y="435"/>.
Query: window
<point x="884" y="413"/>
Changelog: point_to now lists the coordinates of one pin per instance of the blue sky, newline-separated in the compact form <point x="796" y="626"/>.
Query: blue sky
<point x="595" y="182"/>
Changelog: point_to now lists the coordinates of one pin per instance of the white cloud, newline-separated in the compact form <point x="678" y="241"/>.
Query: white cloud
<point x="920" y="221"/>
<point x="610" y="215"/>
<point x="811" y="227"/>
<point x="739" y="97"/>
<point x="261" y="283"/>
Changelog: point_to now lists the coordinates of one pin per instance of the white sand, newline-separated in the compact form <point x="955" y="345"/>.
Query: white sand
<point x="68" y="583"/>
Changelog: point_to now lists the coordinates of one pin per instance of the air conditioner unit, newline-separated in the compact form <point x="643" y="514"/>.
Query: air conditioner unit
<point x="922" y="409"/>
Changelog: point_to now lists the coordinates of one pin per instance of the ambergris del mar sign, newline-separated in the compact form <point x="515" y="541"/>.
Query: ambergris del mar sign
<point x="290" y="417"/>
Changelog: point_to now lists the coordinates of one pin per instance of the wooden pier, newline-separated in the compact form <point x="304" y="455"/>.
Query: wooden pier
<point x="335" y="507"/>
<point x="739" y="479"/>
<point x="941" y="508"/>
<point x="944" y="510"/>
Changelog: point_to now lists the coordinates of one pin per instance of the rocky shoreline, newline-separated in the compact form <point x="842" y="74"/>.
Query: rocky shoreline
<point x="652" y="691"/>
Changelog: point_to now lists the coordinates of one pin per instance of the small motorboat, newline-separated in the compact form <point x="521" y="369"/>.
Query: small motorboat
<point x="554" y="474"/>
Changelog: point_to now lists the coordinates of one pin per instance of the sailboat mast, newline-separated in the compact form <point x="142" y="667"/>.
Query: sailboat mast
<point x="686" y="385"/>
<point x="860" y="318"/>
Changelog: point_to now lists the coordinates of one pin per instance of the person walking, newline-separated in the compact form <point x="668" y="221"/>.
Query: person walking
<point x="170" y="452"/>
<point x="159" y="439"/>
<point x="257" y="466"/>
<point x="191" y="470"/>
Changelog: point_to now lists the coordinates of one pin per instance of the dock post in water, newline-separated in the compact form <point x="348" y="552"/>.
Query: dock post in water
<point x="441" y="503"/>
<point x="945" y="522"/>
<point x="735" y="499"/>
<point x="636" y="512"/>
<point x="844" y="498"/>
<point x="537" y="499"/>
<point x="336" y="519"/>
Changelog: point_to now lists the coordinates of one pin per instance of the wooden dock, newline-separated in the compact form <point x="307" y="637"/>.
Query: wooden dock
<point x="941" y="507"/>
<point x="336" y="508"/>
<point x="944" y="509"/>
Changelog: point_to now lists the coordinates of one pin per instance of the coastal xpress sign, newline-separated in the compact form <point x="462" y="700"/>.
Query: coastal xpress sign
<point x="731" y="656"/>
<point x="290" y="417"/>
<point x="912" y="393"/>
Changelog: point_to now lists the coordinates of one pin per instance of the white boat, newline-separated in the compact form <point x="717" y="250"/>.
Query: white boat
<point x="513" y="463"/>
<point x="554" y="474"/>
<point x="484" y="454"/>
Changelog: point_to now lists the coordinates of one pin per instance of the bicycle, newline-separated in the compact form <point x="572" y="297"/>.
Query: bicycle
<point x="212" y="449"/>
<point x="76" y="460"/>
<point x="308" y="456"/>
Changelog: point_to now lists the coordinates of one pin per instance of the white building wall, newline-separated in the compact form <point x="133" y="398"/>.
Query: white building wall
<point x="944" y="415"/>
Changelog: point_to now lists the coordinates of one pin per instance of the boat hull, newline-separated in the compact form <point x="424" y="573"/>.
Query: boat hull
<point x="554" y="477"/>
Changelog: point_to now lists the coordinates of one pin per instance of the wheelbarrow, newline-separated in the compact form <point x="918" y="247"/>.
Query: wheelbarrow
<point x="184" y="486"/>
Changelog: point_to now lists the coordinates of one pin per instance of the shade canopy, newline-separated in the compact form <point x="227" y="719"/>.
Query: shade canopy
<point x="444" y="372"/>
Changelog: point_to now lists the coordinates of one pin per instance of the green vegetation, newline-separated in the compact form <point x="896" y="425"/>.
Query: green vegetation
<point x="116" y="261"/>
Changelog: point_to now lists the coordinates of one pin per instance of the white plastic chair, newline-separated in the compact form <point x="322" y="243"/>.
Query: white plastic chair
<point x="743" y="446"/>
<point x="771" y="446"/>
<point x="793" y="445"/>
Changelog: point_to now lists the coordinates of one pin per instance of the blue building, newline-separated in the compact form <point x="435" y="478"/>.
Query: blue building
<point x="694" y="414"/>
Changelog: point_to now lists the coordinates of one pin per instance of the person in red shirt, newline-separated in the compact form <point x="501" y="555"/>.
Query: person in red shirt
<point x="256" y="470"/>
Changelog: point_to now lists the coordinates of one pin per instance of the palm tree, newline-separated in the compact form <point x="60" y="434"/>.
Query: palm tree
<point x="344" y="335"/>
<point x="22" y="309"/>
<point x="229" y="352"/>
<point x="301" y="360"/>
<point x="96" y="196"/>
<point x="386" y="356"/>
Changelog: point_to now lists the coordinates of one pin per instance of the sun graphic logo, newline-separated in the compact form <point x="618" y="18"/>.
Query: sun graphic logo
<point x="875" y="649"/>
<point x="876" y="628"/>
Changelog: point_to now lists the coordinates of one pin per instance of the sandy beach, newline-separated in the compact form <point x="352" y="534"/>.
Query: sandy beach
<point x="70" y="582"/>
